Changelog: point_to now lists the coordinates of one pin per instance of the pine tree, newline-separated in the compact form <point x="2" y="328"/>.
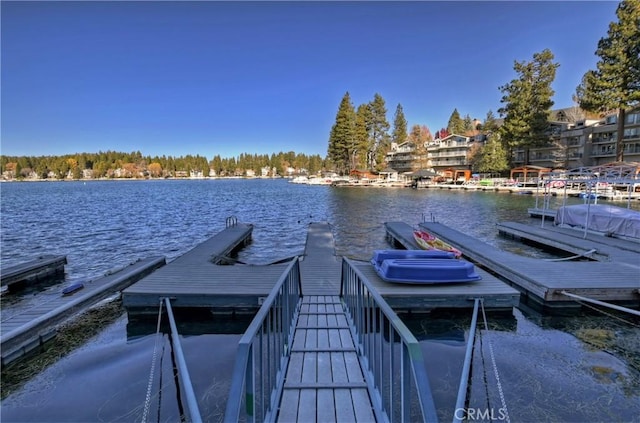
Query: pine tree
<point x="342" y="136"/>
<point x="379" y="143"/>
<point x="456" y="124"/>
<point x="399" y="126"/>
<point x="362" y="131"/>
<point x="493" y="156"/>
<point x="527" y="103"/>
<point x="615" y="84"/>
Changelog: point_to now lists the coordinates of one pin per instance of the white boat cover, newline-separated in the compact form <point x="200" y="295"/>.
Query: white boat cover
<point x="610" y="220"/>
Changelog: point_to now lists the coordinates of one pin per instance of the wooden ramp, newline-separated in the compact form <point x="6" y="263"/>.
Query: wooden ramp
<point x="23" y="330"/>
<point x="35" y="270"/>
<point x="324" y="381"/>
<point x="194" y="280"/>
<point x="545" y="280"/>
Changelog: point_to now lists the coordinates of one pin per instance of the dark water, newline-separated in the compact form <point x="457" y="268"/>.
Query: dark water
<point x="582" y="368"/>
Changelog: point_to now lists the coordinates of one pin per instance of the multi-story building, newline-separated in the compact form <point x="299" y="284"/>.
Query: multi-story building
<point x="588" y="142"/>
<point x="448" y="156"/>
<point x="405" y="157"/>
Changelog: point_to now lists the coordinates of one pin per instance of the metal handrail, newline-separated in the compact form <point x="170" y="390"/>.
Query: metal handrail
<point x="264" y="350"/>
<point x="183" y="372"/>
<point x="390" y="355"/>
<point x="231" y="221"/>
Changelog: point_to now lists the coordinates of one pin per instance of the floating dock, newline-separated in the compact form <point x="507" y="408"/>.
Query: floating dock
<point x="194" y="280"/>
<point x="575" y="241"/>
<point x="543" y="281"/>
<point x="44" y="267"/>
<point x="25" y="330"/>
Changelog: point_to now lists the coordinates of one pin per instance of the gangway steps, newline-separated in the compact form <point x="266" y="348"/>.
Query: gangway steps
<point x="324" y="379"/>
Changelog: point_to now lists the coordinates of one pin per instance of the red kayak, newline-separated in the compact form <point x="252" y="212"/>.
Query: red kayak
<point x="427" y="241"/>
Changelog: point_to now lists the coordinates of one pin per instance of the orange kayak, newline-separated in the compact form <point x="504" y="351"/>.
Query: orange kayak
<point x="427" y="241"/>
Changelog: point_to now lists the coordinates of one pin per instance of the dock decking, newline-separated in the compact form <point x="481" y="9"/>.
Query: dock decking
<point x="545" y="280"/>
<point x="26" y="330"/>
<point x="324" y="380"/>
<point x="495" y="293"/>
<point x="194" y="280"/>
<point x="572" y="240"/>
<point x="34" y="270"/>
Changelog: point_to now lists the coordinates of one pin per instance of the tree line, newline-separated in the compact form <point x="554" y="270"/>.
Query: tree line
<point x="113" y="164"/>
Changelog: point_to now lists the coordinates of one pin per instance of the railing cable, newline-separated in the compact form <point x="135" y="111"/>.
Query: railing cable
<point x="147" y="401"/>
<point x="495" y="369"/>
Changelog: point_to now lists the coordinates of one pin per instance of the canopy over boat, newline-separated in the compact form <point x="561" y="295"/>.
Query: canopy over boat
<point x="609" y="220"/>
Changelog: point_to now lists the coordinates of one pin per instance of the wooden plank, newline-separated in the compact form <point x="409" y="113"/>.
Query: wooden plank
<point x="362" y="405"/>
<point x="307" y="406"/>
<point x="309" y="368"/>
<point x="326" y="406"/>
<point x="324" y="368"/>
<point x="289" y="414"/>
<point x="344" y="406"/>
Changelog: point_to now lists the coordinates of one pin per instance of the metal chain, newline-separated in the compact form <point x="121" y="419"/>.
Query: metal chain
<point x="147" y="402"/>
<point x="495" y="368"/>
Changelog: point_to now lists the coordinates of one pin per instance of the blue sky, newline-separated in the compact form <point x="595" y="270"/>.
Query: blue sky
<point x="209" y="78"/>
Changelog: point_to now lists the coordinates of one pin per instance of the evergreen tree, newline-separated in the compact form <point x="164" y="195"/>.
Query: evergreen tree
<point x="490" y="124"/>
<point x="615" y="84"/>
<point x="363" y="129"/>
<point x="399" y="126"/>
<point x="468" y="124"/>
<point x="342" y="136"/>
<point x="380" y="140"/>
<point x="492" y="157"/>
<point x="456" y="124"/>
<point x="527" y="103"/>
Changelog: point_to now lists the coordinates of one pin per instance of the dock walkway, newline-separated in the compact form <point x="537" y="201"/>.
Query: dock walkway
<point x="571" y="240"/>
<point x="324" y="380"/>
<point x="545" y="280"/>
<point x="23" y="331"/>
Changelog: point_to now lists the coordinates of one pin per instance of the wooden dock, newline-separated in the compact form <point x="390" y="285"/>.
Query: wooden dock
<point x="543" y="281"/>
<point x="25" y="330"/>
<point x="193" y="280"/>
<point x="495" y="293"/>
<point x="575" y="242"/>
<point x="44" y="267"/>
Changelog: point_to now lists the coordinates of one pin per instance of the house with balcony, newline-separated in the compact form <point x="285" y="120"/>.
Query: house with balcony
<point x="448" y="156"/>
<point x="406" y="157"/>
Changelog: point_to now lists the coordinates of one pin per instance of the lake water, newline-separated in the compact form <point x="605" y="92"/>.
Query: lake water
<point x="568" y="369"/>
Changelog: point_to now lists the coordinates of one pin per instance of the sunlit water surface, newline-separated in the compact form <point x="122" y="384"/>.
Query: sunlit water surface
<point x="580" y="368"/>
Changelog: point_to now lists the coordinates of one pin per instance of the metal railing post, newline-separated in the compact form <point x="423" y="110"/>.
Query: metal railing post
<point x="183" y="372"/>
